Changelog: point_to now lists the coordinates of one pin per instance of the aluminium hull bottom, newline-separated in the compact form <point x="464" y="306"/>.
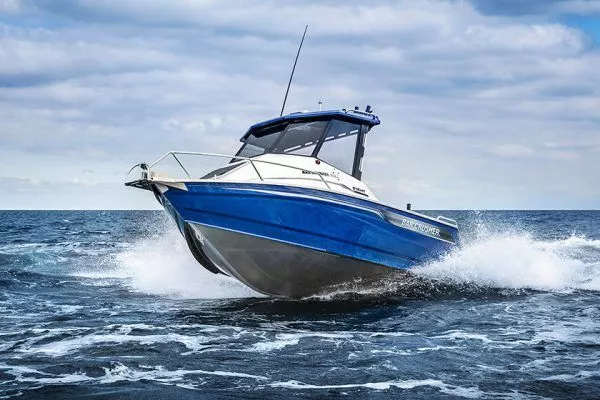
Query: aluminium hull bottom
<point x="282" y="269"/>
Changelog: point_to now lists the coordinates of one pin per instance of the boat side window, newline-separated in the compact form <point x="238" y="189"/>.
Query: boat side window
<point x="261" y="141"/>
<point x="339" y="145"/>
<point x="301" y="138"/>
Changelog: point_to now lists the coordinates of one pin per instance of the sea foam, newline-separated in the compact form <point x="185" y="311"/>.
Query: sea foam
<point x="518" y="261"/>
<point x="163" y="265"/>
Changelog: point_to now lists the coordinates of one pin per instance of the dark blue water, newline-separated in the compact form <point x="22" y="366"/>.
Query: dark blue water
<point x="111" y="305"/>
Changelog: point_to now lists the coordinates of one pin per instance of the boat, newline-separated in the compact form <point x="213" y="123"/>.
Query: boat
<point x="288" y="214"/>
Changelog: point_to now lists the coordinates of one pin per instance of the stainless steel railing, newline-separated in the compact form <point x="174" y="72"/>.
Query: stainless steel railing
<point x="242" y="160"/>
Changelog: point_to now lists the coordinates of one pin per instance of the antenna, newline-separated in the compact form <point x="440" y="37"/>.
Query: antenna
<point x="292" y="74"/>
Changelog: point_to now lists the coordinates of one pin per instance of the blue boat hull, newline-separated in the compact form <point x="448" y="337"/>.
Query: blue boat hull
<point x="296" y="242"/>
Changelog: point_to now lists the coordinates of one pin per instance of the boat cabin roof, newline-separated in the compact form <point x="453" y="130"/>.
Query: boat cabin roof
<point x="336" y="137"/>
<point x="344" y="115"/>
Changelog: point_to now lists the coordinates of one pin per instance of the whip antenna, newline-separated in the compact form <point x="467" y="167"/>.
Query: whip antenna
<point x="292" y="74"/>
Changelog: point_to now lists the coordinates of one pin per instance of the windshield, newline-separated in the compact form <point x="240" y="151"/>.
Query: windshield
<point x="260" y="141"/>
<point x="333" y="141"/>
<point x="301" y="138"/>
<point x="339" y="146"/>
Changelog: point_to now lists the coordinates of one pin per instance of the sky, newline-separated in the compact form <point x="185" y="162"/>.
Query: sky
<point x="484" y="104"/>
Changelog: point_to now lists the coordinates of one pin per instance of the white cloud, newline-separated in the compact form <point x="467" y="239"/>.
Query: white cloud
<point x="10" y="6"/>
<point x="512" y="150"/>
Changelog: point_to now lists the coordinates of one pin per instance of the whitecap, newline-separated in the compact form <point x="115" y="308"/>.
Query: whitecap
<point x="466" y="392"/>
<point x="518" y="261"/>
<point x="67" y="346"/>
<point x="290" y="339"/>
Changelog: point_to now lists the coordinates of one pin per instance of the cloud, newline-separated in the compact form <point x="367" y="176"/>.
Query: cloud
<point x="536" y="7"/>
<point x="10" y="7"/>
<point x="41" y="56"/>
<point x="467" y="94"/>
<point x="512" y="150"/>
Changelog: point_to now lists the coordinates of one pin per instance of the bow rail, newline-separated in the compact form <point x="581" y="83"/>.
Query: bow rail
<point x="146" y="170"/>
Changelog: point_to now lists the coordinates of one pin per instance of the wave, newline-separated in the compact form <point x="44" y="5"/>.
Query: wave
<point x="163" y="265"/>
<point x="518" y="261"/>
<point x="466" y="392"/>
<point x="119" y="372"/>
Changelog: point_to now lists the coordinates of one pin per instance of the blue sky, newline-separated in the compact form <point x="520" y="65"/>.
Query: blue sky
<point x="484" y="104"/>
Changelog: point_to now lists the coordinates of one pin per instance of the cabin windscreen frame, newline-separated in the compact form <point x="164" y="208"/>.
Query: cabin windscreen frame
<point x="360" y="151"/>
<point x="279" y="135"/>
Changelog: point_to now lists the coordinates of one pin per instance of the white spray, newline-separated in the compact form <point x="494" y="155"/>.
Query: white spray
<point x="517" y="261"/>
<point x="163" y="265"/>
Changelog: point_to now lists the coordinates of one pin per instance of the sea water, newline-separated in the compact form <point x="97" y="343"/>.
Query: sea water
<point x="111" y="304"/>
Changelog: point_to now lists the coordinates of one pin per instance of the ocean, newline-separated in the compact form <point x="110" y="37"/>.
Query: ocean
<point x="110" y="304"/>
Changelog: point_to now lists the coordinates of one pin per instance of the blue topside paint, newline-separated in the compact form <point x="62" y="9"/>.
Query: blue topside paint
<point x="311" y="218"/>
